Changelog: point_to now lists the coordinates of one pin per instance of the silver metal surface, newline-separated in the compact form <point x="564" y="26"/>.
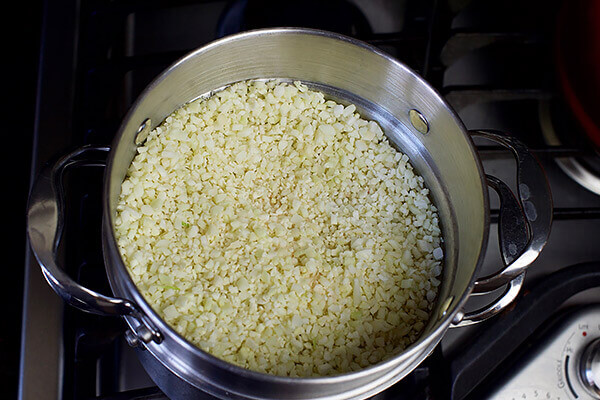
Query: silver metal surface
<point x="383" y="89"/>
<point x="513" y="233"/>
<point x="513" y="237"/>
<point x="44" y="228"/>
<point x="345" y="69"/>
<point x="589" y="369"/>
<point x="474" y="317"/>
<point x="418" y="121"/>
<point x="550" y="370"/>
<point x="143" y="132"/>
<point x="535" y="200"/>
<point x="131" y="338"/>
<point x="580" y="173"/>
<point x="523" y="230"/>
<point x="574" y="167"/>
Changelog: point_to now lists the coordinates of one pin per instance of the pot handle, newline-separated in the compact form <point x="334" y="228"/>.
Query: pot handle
<point x="523" y="227"/>
<point x="44" y="227"/>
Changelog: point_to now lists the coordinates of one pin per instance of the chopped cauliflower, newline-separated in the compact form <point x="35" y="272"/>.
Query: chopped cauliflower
<point x="280" y="231"/>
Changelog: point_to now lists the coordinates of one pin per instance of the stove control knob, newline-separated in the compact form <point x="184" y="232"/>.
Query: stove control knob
<point x="589" y="368"/>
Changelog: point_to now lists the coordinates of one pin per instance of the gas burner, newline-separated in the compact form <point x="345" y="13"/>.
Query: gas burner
<point x="340" y="16"/>
<point x="558" y="130"/>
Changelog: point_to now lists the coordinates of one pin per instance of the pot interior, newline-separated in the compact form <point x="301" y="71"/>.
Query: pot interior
<point x="348" y="72"/>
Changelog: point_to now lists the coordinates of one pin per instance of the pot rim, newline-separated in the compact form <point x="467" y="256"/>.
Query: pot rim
<point x="120" y="268"/>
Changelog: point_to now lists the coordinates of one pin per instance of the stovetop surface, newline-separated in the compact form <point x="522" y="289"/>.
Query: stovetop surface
<point x="492" y="62"/>
<point x="21" y="63"/>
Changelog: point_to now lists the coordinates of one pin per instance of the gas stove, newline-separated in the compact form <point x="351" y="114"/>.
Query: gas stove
<point x="493" y="62"/>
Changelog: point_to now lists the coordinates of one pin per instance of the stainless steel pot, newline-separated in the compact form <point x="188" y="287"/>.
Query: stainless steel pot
<point x="415" y="118"/>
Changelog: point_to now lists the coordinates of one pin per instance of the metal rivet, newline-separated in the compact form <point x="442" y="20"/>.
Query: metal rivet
<point x="418" y="121"/>
<point x="143" y="131"/>
<point x="131" y="338"/>
<point x="445" y="306"/>
<point x="144" y="333"/>
<point x="458" y="317"/>
<point x="141" y="335"/>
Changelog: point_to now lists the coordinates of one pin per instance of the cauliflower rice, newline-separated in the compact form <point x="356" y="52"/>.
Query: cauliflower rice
<point x="281" y="232"/>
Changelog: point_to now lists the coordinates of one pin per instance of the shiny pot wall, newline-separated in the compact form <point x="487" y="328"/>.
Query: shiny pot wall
<point x="414" y="117"/>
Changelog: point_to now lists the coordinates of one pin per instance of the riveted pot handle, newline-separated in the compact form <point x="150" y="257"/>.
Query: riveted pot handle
<point x="523" y="228"/>
<point x="44" y="227"/>
<point x="513" y="236"/>
<point x="534" y="203"/>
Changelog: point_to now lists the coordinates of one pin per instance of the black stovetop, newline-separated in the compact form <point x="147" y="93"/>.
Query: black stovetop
<point x="20" y="64"/>
<point x="97" y="56"/>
